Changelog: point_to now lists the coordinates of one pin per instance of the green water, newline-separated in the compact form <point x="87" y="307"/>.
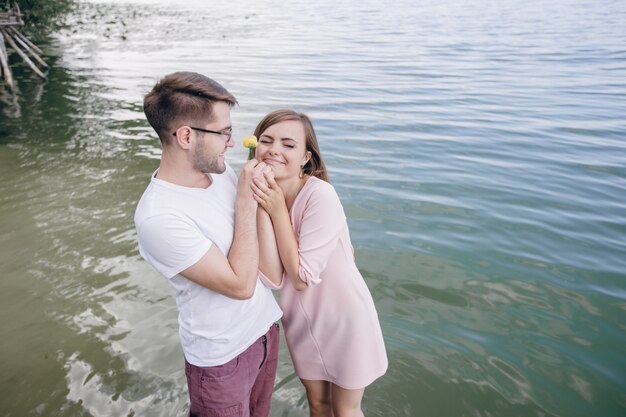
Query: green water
<point x="479" y="149"/>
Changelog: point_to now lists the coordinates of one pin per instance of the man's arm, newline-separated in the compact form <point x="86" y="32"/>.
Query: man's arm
<point x="234" y="276"/>
<point x="269" y="260"/>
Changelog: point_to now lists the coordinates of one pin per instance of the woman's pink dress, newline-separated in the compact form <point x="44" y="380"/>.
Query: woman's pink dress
<point x="331" y="327"/>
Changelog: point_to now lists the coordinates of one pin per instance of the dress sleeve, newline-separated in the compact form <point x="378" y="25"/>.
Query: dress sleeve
<point x="322" y="222"/>
<point x="268" y="282"/>
<point x="171" y="244"/>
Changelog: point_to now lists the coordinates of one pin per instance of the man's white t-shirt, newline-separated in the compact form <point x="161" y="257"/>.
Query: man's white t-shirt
<point x="176" y="226"/>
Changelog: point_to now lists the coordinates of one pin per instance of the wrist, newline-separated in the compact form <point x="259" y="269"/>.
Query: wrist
<point x="279" y="213"/>
<point x="261" y="213"/>
<point x="246" y="204"/>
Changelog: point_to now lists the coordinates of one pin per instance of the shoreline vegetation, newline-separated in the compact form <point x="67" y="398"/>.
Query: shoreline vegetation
<point x="41" y="16"/>
<point x="11" y="21"/>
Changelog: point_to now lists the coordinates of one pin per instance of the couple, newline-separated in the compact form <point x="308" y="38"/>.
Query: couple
<point x="225" y="242"/>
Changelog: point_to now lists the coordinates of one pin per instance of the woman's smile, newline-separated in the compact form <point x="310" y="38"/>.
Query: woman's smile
<point x="273" y="161"/>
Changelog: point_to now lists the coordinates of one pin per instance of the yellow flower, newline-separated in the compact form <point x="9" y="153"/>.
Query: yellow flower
<point x="250" y="142"/>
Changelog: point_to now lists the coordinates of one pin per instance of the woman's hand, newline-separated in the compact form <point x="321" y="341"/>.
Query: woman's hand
<point x="269" y="196"/>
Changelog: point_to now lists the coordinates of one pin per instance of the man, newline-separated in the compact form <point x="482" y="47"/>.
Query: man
<point x="196" y="225"/>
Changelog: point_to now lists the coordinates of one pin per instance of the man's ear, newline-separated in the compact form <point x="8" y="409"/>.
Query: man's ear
<point x="183" y="137"/>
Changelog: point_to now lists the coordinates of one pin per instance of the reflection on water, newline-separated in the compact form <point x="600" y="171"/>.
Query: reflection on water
<point x="477" y="148"/>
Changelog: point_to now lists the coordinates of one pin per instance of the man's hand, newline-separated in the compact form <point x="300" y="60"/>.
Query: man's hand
<point x="252" y="169"/>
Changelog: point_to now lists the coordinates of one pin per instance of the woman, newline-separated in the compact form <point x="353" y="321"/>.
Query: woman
<point x="331" y="325"/>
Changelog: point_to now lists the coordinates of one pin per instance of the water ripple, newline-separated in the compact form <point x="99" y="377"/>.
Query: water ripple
<point x="478" y="150"/>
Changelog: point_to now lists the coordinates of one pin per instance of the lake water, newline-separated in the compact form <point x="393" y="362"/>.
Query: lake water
<point x="479" y="149"/>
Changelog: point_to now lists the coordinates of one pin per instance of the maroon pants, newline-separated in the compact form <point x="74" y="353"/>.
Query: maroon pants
<point x="242" y="387"/>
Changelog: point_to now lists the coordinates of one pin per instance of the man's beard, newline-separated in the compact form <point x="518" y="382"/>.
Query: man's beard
<point x="206" y="164"/>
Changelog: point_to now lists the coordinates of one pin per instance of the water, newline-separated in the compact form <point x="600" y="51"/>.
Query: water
<point x="479" y="150"/>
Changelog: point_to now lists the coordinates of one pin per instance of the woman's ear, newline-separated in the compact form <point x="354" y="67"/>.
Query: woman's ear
<point x="307" y="157"/>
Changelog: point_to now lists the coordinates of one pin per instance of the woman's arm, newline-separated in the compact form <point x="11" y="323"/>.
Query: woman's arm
<point x="288" y="248"/>
<point x="272" y="200"/>
<point x="321" y="226"/>
<point x="323" y="221"/>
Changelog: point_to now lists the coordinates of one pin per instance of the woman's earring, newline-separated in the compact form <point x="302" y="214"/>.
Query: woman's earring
<point x="301" y="171"/>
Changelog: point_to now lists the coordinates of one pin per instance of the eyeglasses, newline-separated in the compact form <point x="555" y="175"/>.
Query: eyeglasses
<point x="228" y="132"/>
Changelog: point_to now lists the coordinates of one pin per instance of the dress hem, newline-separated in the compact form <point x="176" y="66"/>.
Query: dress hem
<point x="346" y="386"/>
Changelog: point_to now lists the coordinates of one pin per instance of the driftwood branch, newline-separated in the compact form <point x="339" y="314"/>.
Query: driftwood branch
<point x="18" y="35"/>
<point x="28" y="49"/>
<point x="21" y="53"/>
<point x="13" y="17"/>
<point x="10" y="35"/>
<point x="4" y="62"/>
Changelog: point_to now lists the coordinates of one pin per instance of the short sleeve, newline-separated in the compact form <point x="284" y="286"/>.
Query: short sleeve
<point x="171" y="244"/>
<point x="269" y="283"/>
<point x="323" y="220"/>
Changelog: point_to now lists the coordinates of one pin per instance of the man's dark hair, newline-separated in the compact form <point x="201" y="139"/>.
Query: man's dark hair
<point x="182" y="98"/>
